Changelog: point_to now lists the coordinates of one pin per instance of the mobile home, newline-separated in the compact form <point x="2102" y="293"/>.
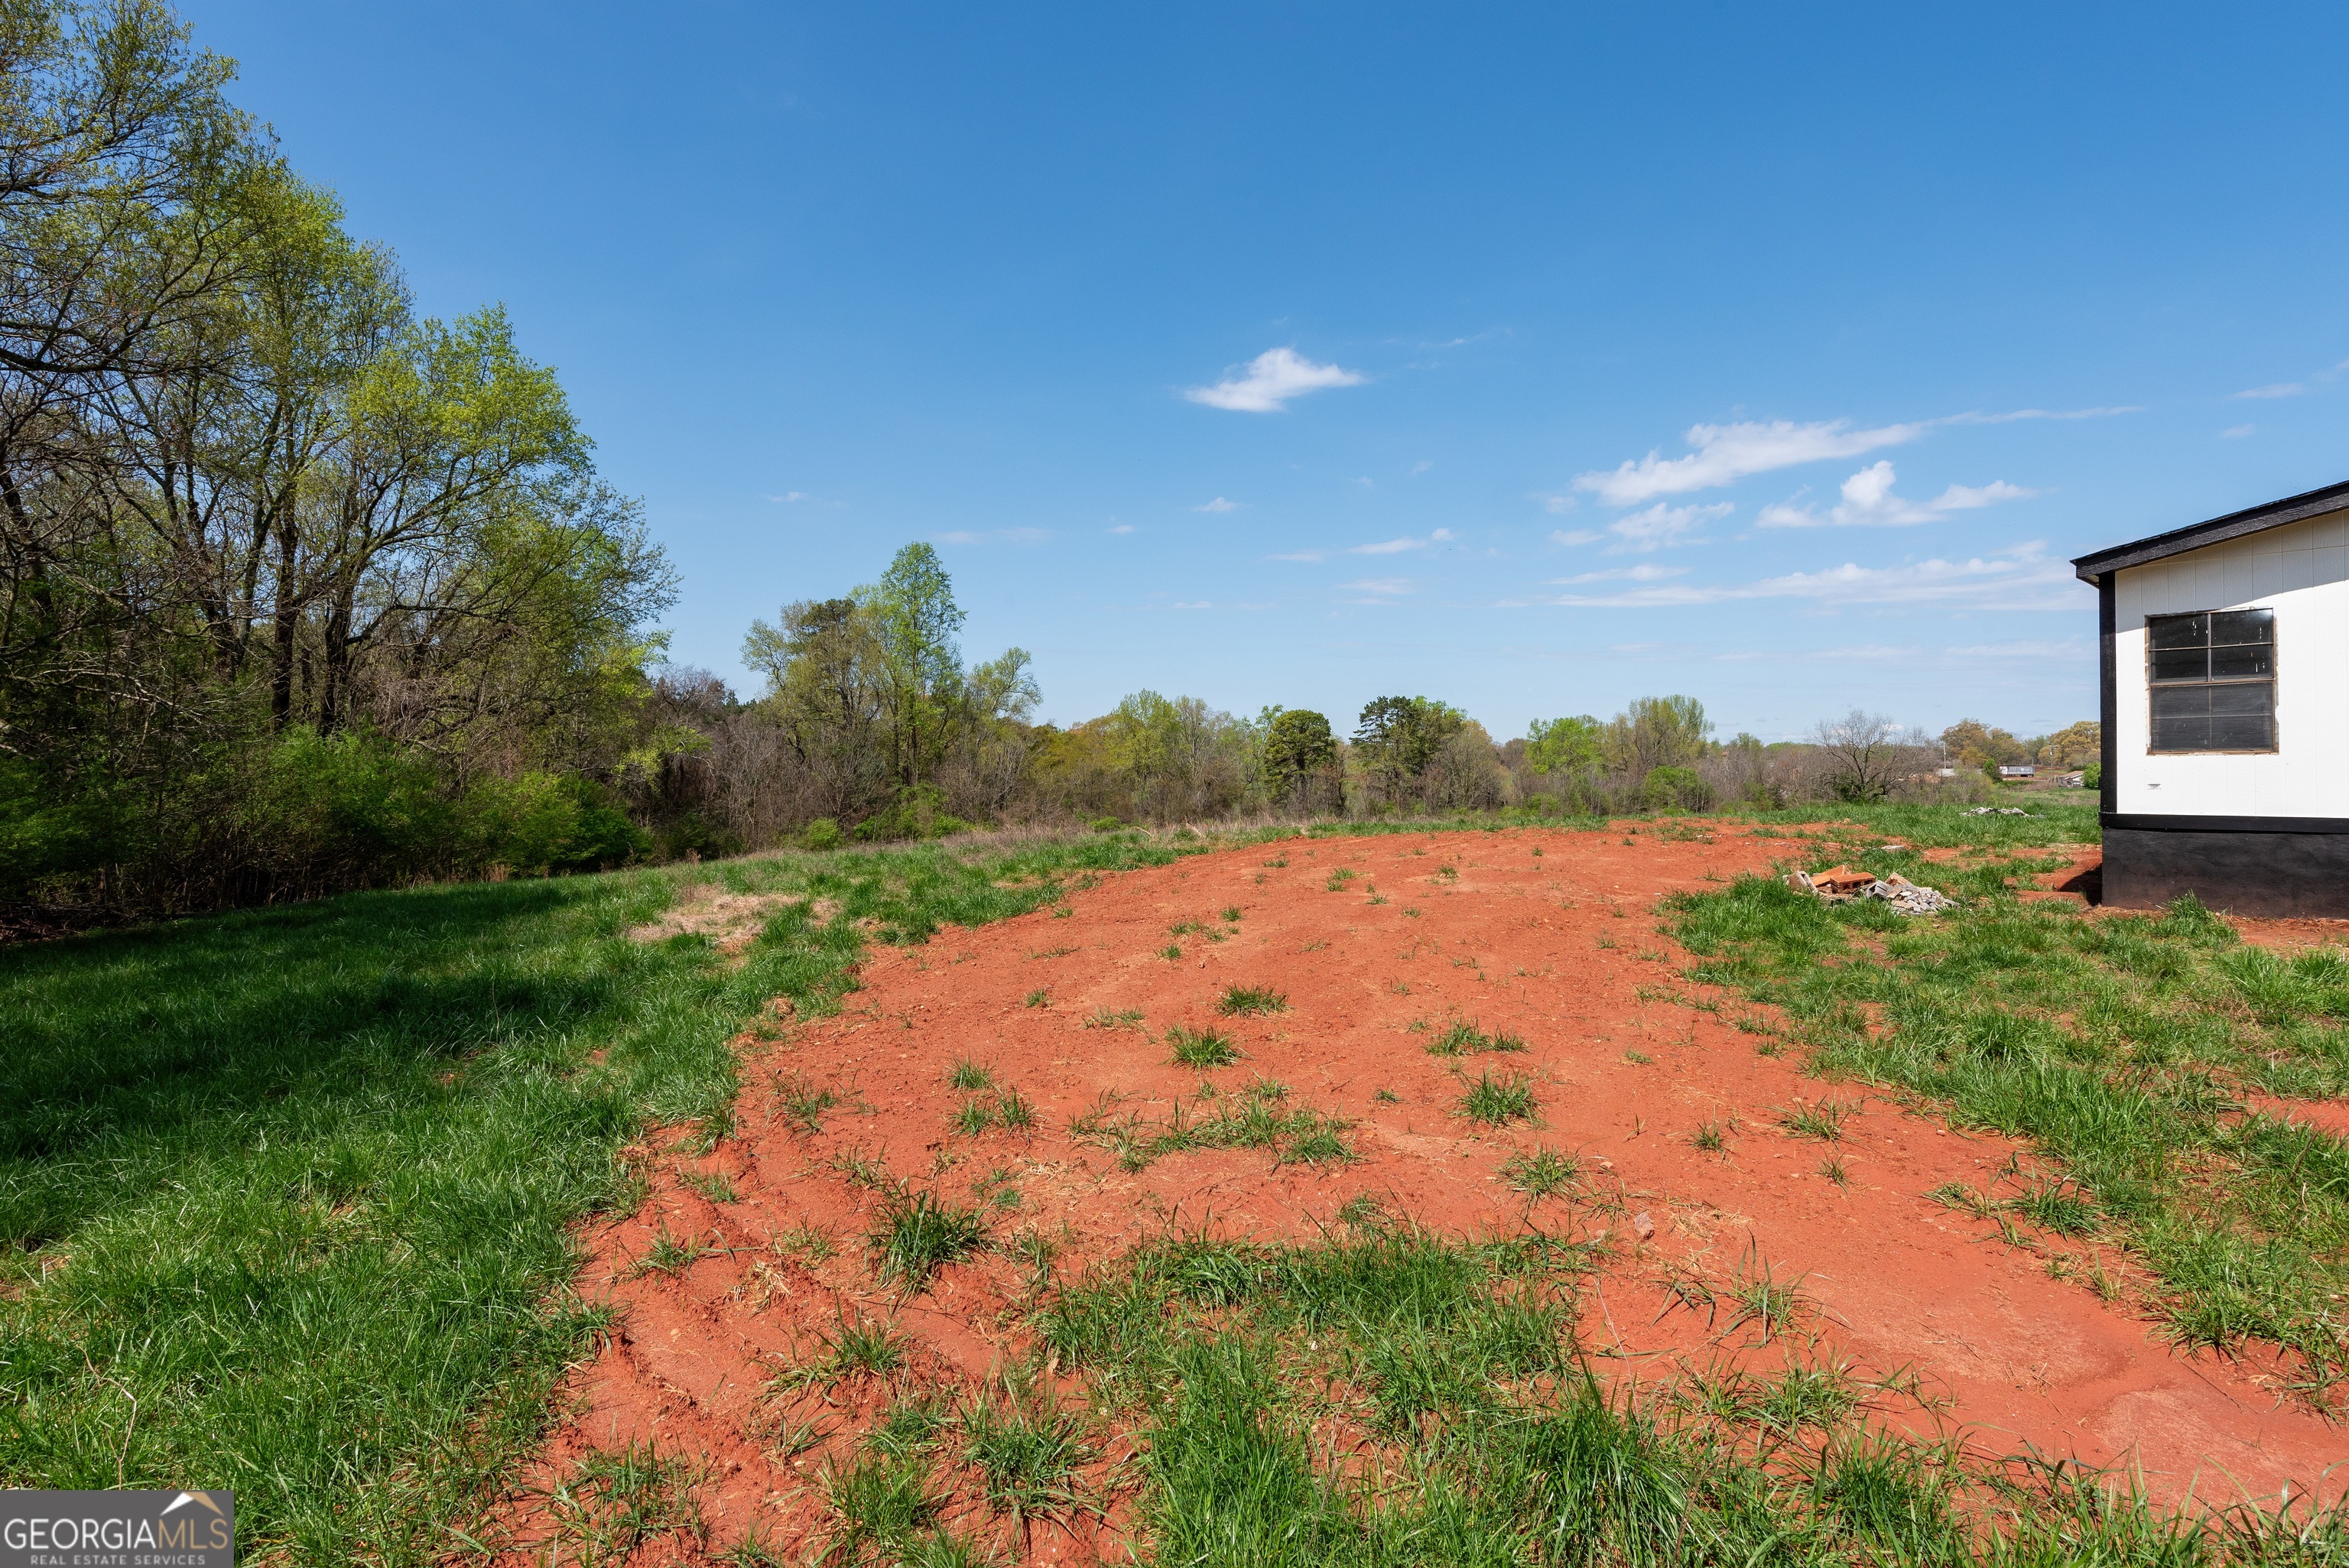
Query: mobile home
<point x="2225" y="652"/>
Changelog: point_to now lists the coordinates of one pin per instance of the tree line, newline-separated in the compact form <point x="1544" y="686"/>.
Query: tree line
<point x="303" y="590"/>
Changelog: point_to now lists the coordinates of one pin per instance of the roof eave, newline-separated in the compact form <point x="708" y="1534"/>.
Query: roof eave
<point x="2095" y="566"/>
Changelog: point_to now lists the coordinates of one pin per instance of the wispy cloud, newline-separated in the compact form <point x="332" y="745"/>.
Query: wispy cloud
<point x="1575" y="536"/>
<point x="1269" y="381"/>
<point x="1726" y="453"/>
<point x="1397" y="546"/>
<point x="788" y="497"/>
<point x="1192" y="604"/>
<point x="1660" y="526"/>
<point x="1120" y="528"/>
<point x="2275" y="390"/>
<point x="1219" y="504"/>
<point x="1976" y="416"/>
<point x="1868" y="501"/>
<point x="1556" y="503"/>
<point x="1642" y="573"/>
<point x="2236" y="432"/>
<point x="2023" y="578"/>
<point x="1383" y="587"/>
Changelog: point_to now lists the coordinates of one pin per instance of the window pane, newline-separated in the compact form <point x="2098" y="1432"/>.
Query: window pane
<point x="2181" y="734"/>
<point x="2178" y="630"/>
<point x="2245" y="734"/>
<point x="2181" y="702"/>
<point x="2181" y="664"/>
<point x="2243" y="626"/>
<point x="2233" y="663"/>
<point x="2253" y="697"/>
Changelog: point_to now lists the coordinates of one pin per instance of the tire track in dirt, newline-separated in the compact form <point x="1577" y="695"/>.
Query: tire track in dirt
<point x="1544" y="935"/>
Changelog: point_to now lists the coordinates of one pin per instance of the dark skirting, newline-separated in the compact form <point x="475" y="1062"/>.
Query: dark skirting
<point x="2267" y="874"/>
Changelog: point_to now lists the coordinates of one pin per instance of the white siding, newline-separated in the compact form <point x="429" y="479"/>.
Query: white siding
<point x="2300" y="571"/>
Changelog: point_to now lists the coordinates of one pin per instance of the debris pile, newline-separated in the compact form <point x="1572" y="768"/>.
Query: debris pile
<point x="2000" y="811"/>
<point x="1839" y="883"/>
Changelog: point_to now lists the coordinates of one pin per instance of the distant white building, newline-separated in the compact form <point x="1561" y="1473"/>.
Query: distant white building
<point x="2225" y="649"/>
<point x="2017" y="770"/>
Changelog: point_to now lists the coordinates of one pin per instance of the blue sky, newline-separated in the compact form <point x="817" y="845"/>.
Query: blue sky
<point x="1534" y="358"/>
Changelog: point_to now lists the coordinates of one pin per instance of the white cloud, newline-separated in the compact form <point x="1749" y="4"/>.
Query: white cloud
<point x="1574" y="536"/>
<point x="1270" y="380"/>
<point x="1397" y="546"/>
<point x="1555" y="504"/>
<point x="1385" y="587"/>
<point x="1193" y="604"/>
<point x="1868" y="502"/>
<point x="1645" y="573"/>
<point x="1660" y="526"/>
<point x="1726" y="453"/>
<point x="1121" y="528"/>
<point x="2009" y="418"/>
<point x="789" y="497"/>
<point x="2278" y="390"/>
<point x="2023" y="578"/>
<point x="2236" y="432"/>
<point x="1302" y="555"/>
<point x="1421" y="466"/>
<point x="1219" y="504"/>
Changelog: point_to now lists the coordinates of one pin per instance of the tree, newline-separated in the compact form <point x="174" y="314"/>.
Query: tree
<point x="1657" y="732"/>
<point x="1567" y="746"/>
<point x="2074" y="746"/>
<point x="1971" y="744"/>
<point x="1398" y="736"/>
<point x="917" y="620"/>
<point x="1866" y="753"/>
<point x="1298" y="747"/>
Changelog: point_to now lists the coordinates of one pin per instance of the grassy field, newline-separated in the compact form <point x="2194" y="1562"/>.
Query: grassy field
<point x="284" y="1196"/>
<point x="2125" y="1047"/>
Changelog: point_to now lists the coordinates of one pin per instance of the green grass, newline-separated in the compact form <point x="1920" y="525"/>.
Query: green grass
<point x="917" y="1233"/>
<point x="1498" y="1101"/>
<point x="1239" y="1000"/>
<point x="1256" y="1119"/>
<point x="1202" y="1048"/>
<point x="1462" y="1038"/>
<point x="1252" y="1377"/>
<point x="2121" y="1047"/>
<point x="297" y="1186"/>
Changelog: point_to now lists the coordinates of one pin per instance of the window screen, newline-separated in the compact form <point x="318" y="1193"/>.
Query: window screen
<point x="2213" y="679"/>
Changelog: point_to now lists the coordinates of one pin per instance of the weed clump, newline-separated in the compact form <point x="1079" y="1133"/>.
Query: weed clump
<point x="1498" y="1101"/>
<point x="1202" y="1048"/>
<point x="917" y="1234"/>
<point x="1239" y="1000"/>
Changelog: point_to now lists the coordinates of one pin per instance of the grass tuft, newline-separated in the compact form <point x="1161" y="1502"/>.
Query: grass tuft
<point x="1237" y="1000"/>
<point x="918" y="1235"/>
<point x="1202" y="1048"/>
<point x="1498" y="1101"/>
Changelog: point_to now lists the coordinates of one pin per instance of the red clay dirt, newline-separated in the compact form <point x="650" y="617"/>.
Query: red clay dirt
<point x="1549" y="935"/>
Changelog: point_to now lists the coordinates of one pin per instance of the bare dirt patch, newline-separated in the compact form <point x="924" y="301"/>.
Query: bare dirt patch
<point x="732" y="920"/>
<point x="1701" y="1154"/>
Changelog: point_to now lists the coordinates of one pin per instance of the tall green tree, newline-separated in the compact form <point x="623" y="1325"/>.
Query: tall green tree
<point x="1398" y="736"/>
<point x="1297" y="746"/>
<point x="918" y="621"/>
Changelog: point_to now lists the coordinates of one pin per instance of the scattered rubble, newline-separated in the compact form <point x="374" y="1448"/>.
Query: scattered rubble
<point x="1999" y="811"/>
<point x="1838" y="885"/>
